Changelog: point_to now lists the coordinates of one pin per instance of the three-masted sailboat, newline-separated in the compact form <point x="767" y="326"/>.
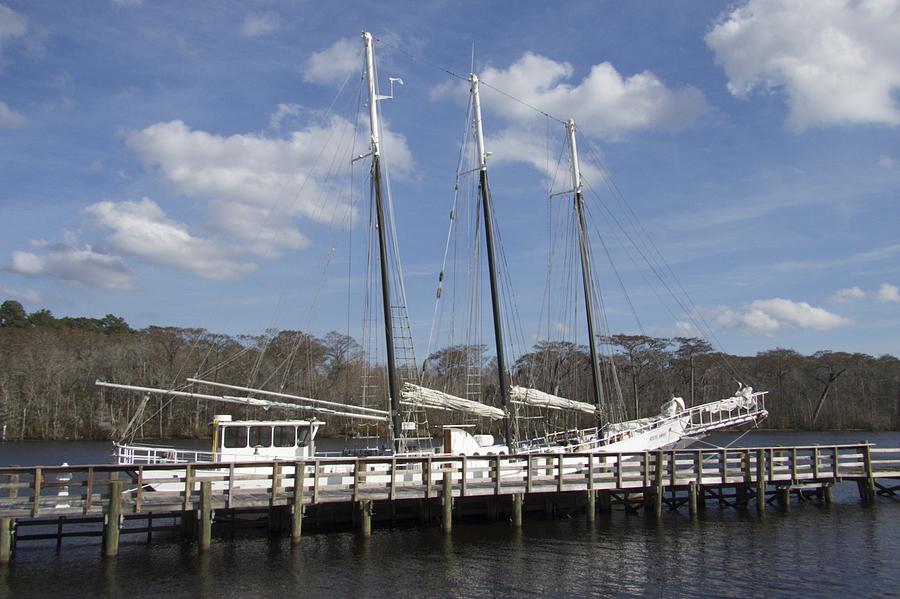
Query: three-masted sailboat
<point x="266" y="440"/>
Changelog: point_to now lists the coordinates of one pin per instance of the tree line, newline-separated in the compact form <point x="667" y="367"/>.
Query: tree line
<point x="49" y="365"/>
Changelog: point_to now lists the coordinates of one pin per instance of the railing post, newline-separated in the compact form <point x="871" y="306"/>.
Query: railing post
<point x="528" y="475"/>
<point x="496" y="474"/>
<point x="188" y="486"/>
<point x="559" y="473"/>
<point x="794" y="465"/>
<point x="36" y="500"/>
<point x="7" y="530"/>
<point x="112" y="520"/>
<point x="297" y="507"/>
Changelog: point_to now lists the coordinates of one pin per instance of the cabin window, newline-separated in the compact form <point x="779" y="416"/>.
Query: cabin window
<point x="260" y="436"/>
<point x="303" y="436"/>
<point x="235" y="436"/>
<point x="285" y="436"/>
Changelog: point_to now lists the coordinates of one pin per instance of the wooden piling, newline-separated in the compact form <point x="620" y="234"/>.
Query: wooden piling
<point x="7" y="531"/>
<point x="205" y="539"/>
<point x="867" y="486"/>
<point x="827" y="493"/>
<point x="783" y="494"/>
<point x="365" y="517"/>
<point x="658" y="484"/>
<point x="761" y="481"/>
<point x="297" y="505"/>
<point x="517" y="500"/>
<point x="605" y="501"/>
<point x="112" y="520"/>
<point x="692" y="498"/>
<point x="447" y="502"/>
<point x="591" y="505"/>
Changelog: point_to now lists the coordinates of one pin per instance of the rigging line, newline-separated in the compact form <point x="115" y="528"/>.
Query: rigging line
<point x="617" y="273"/>
<point x="620" y="197"/>
<point x="450" y="228"/>
<point x="353" y="205"/>
<point x="655" y="271"/>
<point x="324" y="119"/>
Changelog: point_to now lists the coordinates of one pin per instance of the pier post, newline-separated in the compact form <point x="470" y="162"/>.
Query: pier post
<point x="447" y="502"/>
<point x="365" y="517"/>
<point x="605" y="500"/>
<point x="591" y="505"/>
<point x="112" y="520"/>
<point x="517" y="500"/>
<point x="7" y="531"/>
<point x="783" y="494"/>
<point x="761" y="481"/>
<point x="205" y="515"/>
<point x="297" y="507"/>
<point x="692" y="498"/>
<point x="827" y="492"/>
<point x="658" y="480"/>
<point x="867" y="486"/>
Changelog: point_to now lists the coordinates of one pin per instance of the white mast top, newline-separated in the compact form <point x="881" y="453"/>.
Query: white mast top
<point x="373" y="98"/>
<point x="576" y="172"/>
<point x="479" y="134"/>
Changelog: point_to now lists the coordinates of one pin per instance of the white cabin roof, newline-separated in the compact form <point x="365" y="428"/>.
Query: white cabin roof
<point x="270" y="422"/>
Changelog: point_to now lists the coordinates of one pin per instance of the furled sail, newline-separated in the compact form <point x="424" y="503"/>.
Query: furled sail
<point x="539" y="399"/>
<point x="438" y="400"/>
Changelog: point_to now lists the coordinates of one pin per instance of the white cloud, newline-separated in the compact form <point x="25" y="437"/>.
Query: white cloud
<point x="604" y="103"/>
<point x="76" y="263"/>
<point x="837" y="61"/>
<point x="12" y="27"/>
<point x="282" y="112"/>
<point x="257" y="186"/>
<point x="26" y="295"/>
<point x="333" y="64"/>
<point x="141" y="229"/>
<point x="516" y="145"/>
<point x="260" y="24"/>
<point x="888" y="293"/>
<point x="766" y="317"/>
<point x="848" y="294"/>
<point x="887" y="162"/>
<point x="128" y="3"/>
<point x="9" y="118"/>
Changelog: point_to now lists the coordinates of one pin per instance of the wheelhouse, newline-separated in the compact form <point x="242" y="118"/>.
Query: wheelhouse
<point x="266" y="439"/>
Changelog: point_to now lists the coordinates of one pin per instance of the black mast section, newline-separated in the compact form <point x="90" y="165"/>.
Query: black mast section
<point x="586" y="276"/>
<point x="393" y="382"/>
<point x="492" y="267"/>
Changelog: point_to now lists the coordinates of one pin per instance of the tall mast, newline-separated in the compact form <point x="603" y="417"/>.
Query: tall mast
<point x="586" y="272"/>
<point x="393" y="382"/>
<point x="492" y="264"/>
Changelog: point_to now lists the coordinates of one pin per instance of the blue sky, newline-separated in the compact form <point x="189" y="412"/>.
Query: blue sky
<point x="164" y="161"/>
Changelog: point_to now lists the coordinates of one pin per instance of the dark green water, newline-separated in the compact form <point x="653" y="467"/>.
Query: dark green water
<point x="842" y="550"/>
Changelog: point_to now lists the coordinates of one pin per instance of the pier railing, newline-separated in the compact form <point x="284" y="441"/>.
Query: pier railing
<point x="32" y="492"/>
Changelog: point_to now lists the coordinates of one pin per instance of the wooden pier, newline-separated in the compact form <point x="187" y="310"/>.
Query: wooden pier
<point x="108" y="501"/>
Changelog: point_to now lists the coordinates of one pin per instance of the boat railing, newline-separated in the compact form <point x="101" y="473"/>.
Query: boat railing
<point x="146" y="454"/>
<point x="694" y="421"/>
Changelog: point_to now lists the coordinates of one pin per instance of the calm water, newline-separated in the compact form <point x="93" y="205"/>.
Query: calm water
<point x="843" y="550"/>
